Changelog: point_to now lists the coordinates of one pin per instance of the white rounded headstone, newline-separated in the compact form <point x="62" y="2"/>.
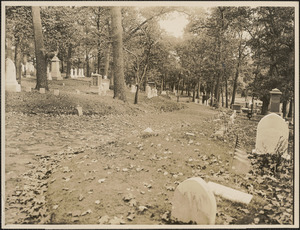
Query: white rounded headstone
<point x="194" y="201"/>
<point x="272" y="132"/>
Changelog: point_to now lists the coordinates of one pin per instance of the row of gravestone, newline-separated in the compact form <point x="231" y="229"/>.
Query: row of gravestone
<point x="150" y="92"/>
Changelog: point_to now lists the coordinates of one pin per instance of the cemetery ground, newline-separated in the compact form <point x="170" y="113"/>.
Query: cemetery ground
<point x="104" y="168"/>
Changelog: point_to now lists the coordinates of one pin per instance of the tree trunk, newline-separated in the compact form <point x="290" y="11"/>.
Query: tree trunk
<point x="194" y="93"/>
<point x="136" y="94"/>
<point x="235" y="83"/>
<point x="98" y="43"/>
<point x="182" y="87"/>
<point x="284" y="105"/>
<point x="87" y="64"/>
<point x="198" y="90"/>
<point x="290" y="114"/>
<point x="117" y="45"/>
<point x="68" y="74"/>
<point x="226" y="93"/>
<point x="41" y="74"/>
<point x="265" y="105"/>
<point x="18" y="61"/>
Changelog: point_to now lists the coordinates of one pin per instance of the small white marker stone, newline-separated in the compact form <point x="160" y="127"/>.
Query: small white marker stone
<point x="42" y="90"/>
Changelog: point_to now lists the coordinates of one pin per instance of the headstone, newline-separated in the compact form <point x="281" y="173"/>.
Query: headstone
<point x="154" y="92"/>
<point x="49" y="77"/>
<point x="56" y="92"/>
<point x="272" y="135"/>
<point x="163" y="92"/>
<point x="42" y="90"/>
<point x="274" y="106"/>
<point x="148" y="89"/>
<point x="28" y="89"/>
<point x="194" y="201"/>
<point x="105" y="83"/>
<point x="79" y="110"/>
<point x="71" y="73"/>
<point x="55" y="72"/>
<point x="81" y="72"/>
<point x="75" y="73"/>
<point x="237" y="107"/>
<point x="229" y="193"/>
<point x="133" y="89"/>
<point x="96" y="84"/>
<point x="11" y="83"/>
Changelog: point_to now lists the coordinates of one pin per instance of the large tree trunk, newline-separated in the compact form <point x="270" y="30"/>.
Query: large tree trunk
<point x="117" y="45"/>
<point x="41" y="74"/>
<point x="68" y="75"/>
<point x="136" y="94"/>
<point x="107" y="53"/>
<point x="284" y="105"/>
<point x="98" y="43"/>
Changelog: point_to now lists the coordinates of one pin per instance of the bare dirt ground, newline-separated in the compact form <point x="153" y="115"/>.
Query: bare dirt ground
<point x="103" y="169"/>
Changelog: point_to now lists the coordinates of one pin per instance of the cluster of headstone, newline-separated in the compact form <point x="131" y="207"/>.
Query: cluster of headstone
<point x="151" y="92"/>
<point x="99" y="85"/>
<point x="77" y="73"/>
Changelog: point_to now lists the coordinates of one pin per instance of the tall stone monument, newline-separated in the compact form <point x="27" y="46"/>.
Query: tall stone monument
<point x="11" y="83"/>
<point x="55" y="73"/>
<point x="274" y="106"/>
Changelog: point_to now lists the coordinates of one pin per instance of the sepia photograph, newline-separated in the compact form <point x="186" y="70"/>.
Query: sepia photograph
<point x="155" y="114"/>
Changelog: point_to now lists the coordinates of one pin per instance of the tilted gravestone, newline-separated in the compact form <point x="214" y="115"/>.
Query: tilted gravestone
<point x="11" y="83"/>
<point x="193" y="201"/>
<point x="272" y="135"/>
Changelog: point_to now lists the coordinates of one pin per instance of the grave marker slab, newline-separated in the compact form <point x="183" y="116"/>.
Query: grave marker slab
<point x="272" y="132"/>
<point x="229" y="193"/>
<point x="133" y="89"/>
<point x="11" y="83"/>
<point x="42" y="90"/>
<point x="194" y="201"/>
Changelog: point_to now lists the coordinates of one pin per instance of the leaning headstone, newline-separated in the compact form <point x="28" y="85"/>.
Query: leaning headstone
<point x="79" y="110"/>
<point x="272" y="135"/>
<point x="55" y="72"/>
<point x="56" y="92"/>
<point x="193" y="201"/>
<point x="42" y="90"/>
<point x="11" y="83"/>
